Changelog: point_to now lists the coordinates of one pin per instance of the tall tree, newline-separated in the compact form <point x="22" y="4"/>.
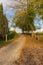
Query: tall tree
<point x="25" y="19"/>
<point x="3" y="23"/>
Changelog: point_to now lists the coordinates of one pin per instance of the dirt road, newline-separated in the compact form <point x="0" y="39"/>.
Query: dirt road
<point x="11" y="52"/>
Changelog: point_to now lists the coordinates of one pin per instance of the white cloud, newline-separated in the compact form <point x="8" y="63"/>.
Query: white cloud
<point x="4" y="2"/>
<point x="17" y="30"/>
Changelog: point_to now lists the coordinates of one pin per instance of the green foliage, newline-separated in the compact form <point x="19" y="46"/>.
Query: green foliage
<point x="38" y="4"/>
<point x="11" y="35"/>
<point x="3" y="43"/>
<point x="25" y="19"/>
<point x="1" y="9"/>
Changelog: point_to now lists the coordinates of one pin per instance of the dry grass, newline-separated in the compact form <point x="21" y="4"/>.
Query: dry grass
<point x="32" y="53"/>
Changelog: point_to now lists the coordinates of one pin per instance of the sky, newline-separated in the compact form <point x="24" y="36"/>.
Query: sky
<point x="10" y="11"/>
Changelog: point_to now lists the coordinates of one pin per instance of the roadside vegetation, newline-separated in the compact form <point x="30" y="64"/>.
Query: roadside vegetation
<point x="6" y="36"/>
<point x="40" y="35"/>
<point x="11" y="37"/>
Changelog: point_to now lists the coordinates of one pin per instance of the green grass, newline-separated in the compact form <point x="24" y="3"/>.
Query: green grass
<point x="3" y="43"/>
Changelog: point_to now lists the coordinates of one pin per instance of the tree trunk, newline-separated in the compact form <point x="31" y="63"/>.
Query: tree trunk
<point x="23" y="31"/>
<point x="6" y="37"/>
<point x="32" y="34"/>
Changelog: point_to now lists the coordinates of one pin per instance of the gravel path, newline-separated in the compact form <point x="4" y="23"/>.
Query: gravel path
<point x="11" y="52"/>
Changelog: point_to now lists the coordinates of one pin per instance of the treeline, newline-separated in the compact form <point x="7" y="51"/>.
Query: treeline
<point x="26" y="13"/>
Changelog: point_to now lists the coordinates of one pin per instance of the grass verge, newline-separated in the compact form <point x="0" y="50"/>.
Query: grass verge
<point x="3" y="43"/>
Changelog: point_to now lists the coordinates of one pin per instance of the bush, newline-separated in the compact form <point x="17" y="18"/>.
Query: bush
<point x="11" y="35"/>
